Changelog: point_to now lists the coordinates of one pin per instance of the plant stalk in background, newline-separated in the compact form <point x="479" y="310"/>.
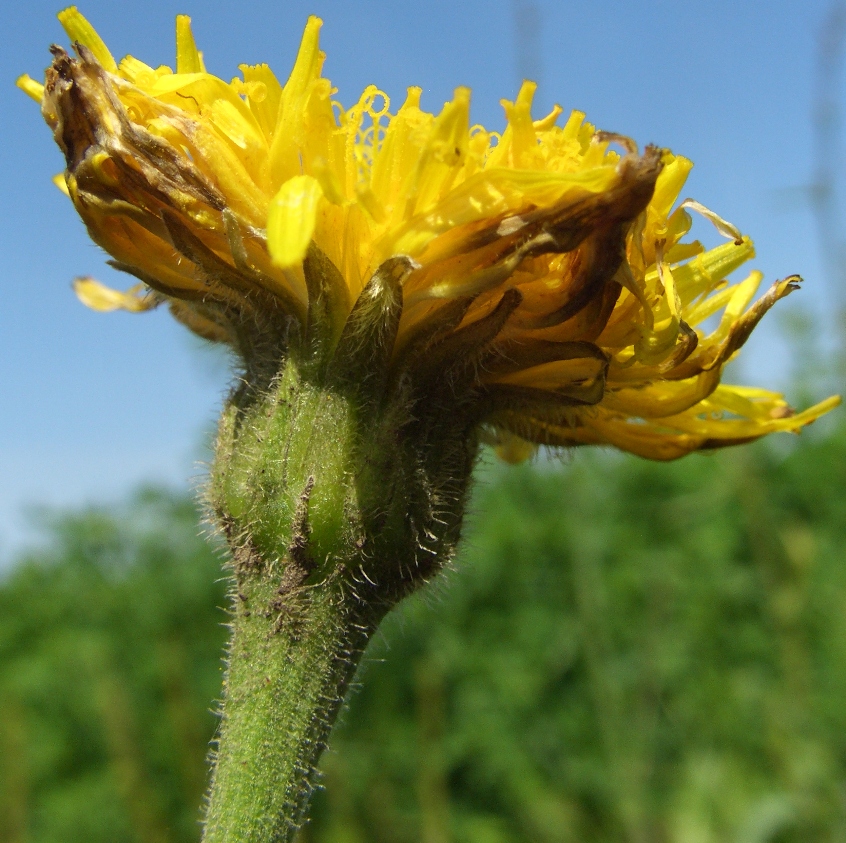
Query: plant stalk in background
<point x="399" y="288"/>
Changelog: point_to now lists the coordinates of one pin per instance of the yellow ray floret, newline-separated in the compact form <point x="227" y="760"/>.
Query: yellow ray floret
<point x="98" y="296"/>
<point x="545" y="270"/>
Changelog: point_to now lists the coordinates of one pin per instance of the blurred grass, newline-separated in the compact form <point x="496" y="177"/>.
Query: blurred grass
<point x="624" y="652"/>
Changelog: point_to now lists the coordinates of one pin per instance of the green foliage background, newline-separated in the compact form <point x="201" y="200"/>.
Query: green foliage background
<point x="624" y="652"/>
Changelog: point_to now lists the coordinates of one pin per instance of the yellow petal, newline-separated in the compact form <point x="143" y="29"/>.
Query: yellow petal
<point x="60" y="182"/>
<point x="557" y="374"/>
<point x="284" y="151"/>
<point x="98" y="296"/>
<point x="512" y="449"/>
<point x="669" y="185"/>
<point x="446" y="152"/>
<point x="291" y="220"/>
<point x="705" y="272"/>
<point x="666" y="398"/>
<point x="188" y="59"/>
<point x="78" y="29"/>
<point x="691" y="422"/>
<point x="30" y="87"/>
<point x="135" y="71"/>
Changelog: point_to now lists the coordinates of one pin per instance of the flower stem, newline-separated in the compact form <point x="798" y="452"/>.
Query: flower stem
<point x="285" y="684"/>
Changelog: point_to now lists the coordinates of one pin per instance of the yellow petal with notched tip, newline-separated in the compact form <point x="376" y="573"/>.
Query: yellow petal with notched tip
<point x="78" y="29"/>
<point x="188" y="58"/>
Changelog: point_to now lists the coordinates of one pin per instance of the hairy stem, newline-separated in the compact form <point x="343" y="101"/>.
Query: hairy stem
<point x="288" y="672"/>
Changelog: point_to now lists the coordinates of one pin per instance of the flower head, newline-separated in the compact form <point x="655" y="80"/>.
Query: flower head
<point x="538" y="281"/>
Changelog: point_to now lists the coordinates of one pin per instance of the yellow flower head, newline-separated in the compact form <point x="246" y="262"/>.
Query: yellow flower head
<point x="538" y="276"/>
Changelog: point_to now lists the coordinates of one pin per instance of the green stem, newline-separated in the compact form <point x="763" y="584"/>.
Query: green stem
<point x="286" y="680"/>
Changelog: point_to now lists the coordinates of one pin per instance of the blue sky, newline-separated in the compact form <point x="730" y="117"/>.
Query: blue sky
<point x="93" y="404"/>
